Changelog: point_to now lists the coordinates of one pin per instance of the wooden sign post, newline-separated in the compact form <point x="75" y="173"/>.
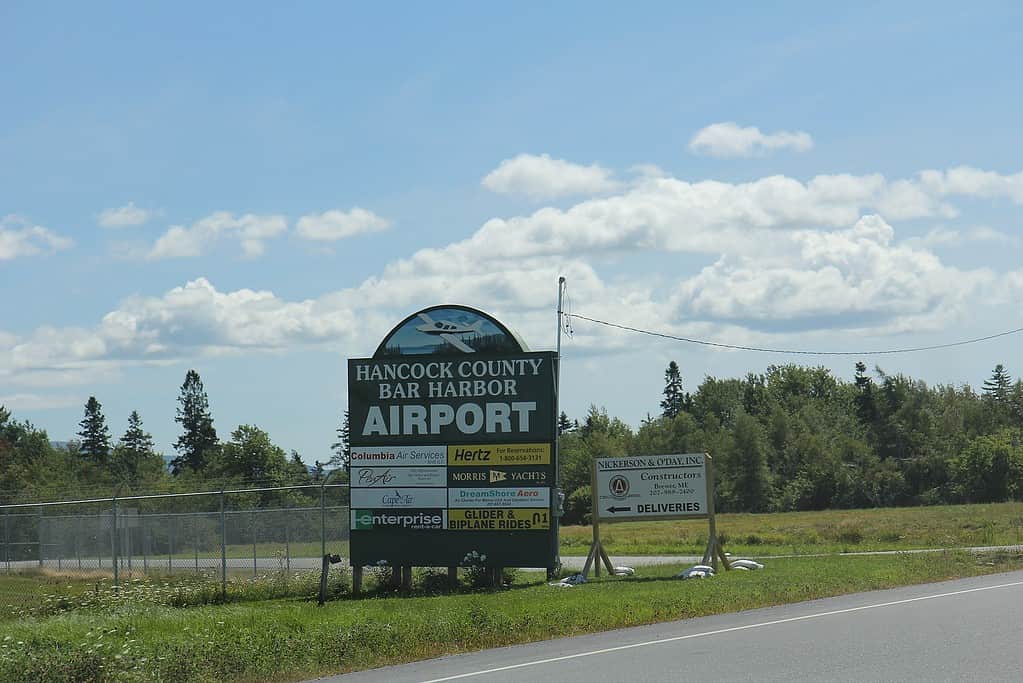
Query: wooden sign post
<point x="597" y="553"/>
<point x="652" y="487"/>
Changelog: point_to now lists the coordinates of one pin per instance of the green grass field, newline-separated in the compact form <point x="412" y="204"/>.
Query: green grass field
<point x="800" y="533"/>
<point x="75" y="627"/>
<point x="290" y="639"/>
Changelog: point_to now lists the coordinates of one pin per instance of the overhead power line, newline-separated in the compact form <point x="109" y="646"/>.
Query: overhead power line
<point x="740" y="347"/>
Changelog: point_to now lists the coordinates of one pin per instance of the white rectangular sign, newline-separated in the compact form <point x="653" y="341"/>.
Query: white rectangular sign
<point x="508" y="497"/>
<point x="399" y="476"/>
<point x="383" y="456"/>
<point x="651" y="486"/>
<point x="391" y="497"/>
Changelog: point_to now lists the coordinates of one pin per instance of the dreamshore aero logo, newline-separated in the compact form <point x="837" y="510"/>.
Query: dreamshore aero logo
<point x="365" y="520"/>
<point x="509" y="497"/>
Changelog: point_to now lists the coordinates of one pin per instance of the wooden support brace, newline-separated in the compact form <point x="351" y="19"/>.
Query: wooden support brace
<point x="607" y="561"/>
<point x="589" y="560"/>
<point x="356" y="580"/>
<point x="724" y="559"/>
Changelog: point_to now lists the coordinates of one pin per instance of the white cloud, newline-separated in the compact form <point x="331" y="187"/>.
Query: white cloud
<point x="24" y="401"/>
<point x="938" y="237"/>
<point x="123" y="216"/>
<point x="942" y="236"/>
<point x="984" y="233"/>
<point x="19" y="237"/>
<point x="541" y="177"/>
<point x="334" y="225"/>
<point x="250" y="230"/>
<point x="973" y="182"/>
<point x="852" y="279"/>
<point x="649" y="171"/>
<point x="197" y="316"/>
<point x="728" y="140"/>
<point x="782" y="255"/>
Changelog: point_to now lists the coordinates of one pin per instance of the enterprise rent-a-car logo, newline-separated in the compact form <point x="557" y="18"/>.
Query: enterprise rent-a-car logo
<point x="363" y="520"/>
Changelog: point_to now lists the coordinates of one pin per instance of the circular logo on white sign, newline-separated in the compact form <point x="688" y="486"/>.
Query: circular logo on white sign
<point x="619" y="486"/>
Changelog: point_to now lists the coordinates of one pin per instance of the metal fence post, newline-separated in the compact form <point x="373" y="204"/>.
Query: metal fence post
<point x="113" y="541"/>
<point x="39" y="533"/>
<point x="287" y="541"/>
<point x="170" y="546"/>
<point x="7" y="539"/>
<point x="252" y="529"/>
<point x="223" y="547"/>
<point x="146" y="540"/>
<point x="323" y="519"/>
<point x="78" y="542"/>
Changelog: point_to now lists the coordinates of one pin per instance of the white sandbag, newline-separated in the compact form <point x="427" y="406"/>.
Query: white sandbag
<point x="695" y="573"/>
<point x="745" y="564"/>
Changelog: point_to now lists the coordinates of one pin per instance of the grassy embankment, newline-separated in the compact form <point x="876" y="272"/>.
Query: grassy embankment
<point x="803" y="533"/>
<point x="287" y="640"/>
<point x="172" y="628"/>
<point x="761" y="535"/>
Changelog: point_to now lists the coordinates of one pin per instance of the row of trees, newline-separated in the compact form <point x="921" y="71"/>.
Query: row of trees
<point x="33" y="468"/>
<point x="797" y="438"/>
<point x="790" y="438"/>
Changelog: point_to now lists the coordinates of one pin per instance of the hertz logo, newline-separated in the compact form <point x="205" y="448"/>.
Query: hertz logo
<point x="466" y="455"/>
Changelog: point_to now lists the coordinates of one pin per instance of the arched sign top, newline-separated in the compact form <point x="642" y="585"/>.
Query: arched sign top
<point x="449" y="329"/>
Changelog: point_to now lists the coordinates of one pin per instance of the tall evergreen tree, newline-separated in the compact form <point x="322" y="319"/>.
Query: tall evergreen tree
<point x="318" y="472"/>
<point x="997" y="388"/>
<point x="198" y="438"/>
<point x="342" y="449"/>
<point x="135" y="447"/>
<point x="94" y="432"/>
<point x="298" y="473"/>
<point x="565" y="425"/>
<point x="136" y="440"/>
<point x="674" y="398"/>
<point x="866" y="402"/>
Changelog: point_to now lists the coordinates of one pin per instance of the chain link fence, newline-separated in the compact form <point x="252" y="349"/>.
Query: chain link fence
<point x="217" y="535"/>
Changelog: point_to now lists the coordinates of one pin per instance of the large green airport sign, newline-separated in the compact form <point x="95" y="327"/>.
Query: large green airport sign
<point x="452" y="445"/>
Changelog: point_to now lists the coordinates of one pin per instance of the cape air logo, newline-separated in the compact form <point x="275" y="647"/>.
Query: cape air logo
<point x="397" y="500"/>
<point x="619" y="486"/>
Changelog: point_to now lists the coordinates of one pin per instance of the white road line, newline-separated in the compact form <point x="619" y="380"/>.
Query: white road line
<point x="673" y="639"/>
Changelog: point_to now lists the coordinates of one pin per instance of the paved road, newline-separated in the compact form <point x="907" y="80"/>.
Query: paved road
<point x="965" y="630"/>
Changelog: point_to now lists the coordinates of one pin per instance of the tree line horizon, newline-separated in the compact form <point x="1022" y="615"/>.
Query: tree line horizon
<point x="790" y="438"/>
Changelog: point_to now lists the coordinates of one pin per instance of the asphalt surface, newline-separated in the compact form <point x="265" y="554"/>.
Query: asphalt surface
<point x="964" y="630"/>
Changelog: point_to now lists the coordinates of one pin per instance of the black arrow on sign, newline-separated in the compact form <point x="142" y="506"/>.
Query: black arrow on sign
<point x="613" y="509"/>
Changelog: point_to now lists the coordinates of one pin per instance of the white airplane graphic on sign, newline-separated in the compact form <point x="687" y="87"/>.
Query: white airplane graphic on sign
<point x="448" y="330"/>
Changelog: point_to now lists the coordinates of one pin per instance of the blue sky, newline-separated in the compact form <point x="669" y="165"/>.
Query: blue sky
<point x="262" y="192"/>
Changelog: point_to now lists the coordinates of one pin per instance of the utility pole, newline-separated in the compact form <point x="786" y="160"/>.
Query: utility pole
<point x="558" y="502"/>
